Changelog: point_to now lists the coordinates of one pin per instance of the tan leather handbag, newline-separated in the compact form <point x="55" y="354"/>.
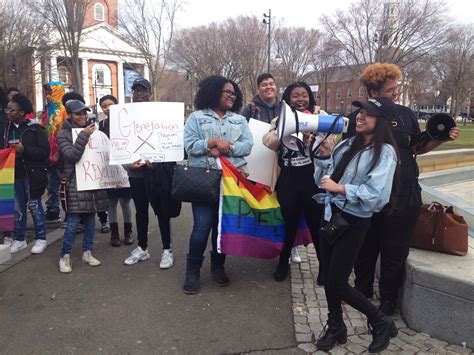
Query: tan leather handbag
<point x="440" y="229"/>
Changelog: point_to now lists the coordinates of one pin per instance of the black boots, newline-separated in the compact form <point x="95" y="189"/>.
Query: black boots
<point x="282" y="269"/>
<point x="193" y="271"/>
<point x="217" y="269"/>
<point x="335" y="332"/>
<point x="383" y="328"/>
<point x="387" y="307"/>
<point x="127" y="227"/>
<point x="114" y="235"/>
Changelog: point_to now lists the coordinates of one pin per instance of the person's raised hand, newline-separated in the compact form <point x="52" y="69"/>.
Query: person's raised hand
<point x="137" y="165"/>
<point x="454" y="133"/>
<point x="90" y="129"/>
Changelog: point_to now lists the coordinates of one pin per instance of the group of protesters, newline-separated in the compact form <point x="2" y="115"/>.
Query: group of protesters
<point x="367" y="180"/>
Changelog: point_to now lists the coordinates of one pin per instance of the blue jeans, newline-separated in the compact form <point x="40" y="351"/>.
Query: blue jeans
<point x="22" y="202"/>
<point x="72" y="221"/>
<point x="205" y="218"/>
<point x="52" y="203"/>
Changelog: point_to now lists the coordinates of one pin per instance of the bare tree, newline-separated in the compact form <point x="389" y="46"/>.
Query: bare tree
<point x="400" y="32"/>
<point x="325" y="61"/>
<point x="235" y="48"/>
<point x="20" y="30"/>
<point x="455" y="66"/>
<point x="67" y="18"/>
<point x="295" y="46"/>
<point x="150" y="26"/>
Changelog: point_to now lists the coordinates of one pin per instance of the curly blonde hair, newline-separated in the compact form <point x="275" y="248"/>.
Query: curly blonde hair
<point x="375" y="75"/>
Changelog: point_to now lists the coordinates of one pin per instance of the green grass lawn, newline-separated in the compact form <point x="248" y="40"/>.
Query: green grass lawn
<point x="465" y="139"/>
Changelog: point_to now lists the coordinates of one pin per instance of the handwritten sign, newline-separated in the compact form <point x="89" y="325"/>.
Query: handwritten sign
<point x="261" y="160"/>
<point x="93" y="171"/>
<point x="146" y="131"/>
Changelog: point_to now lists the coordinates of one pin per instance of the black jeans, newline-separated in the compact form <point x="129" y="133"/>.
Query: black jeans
<point x="141" y="201"/>
<point x="389" y="235"/>
<point x="295" y="189"/>
<point x="338" y="260"/>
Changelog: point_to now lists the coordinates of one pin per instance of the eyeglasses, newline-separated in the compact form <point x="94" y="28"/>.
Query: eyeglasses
<point x="229" y="93"/>
<point x="8" y="110"/>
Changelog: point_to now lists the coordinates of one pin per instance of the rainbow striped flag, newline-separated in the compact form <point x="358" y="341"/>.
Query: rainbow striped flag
<point x="7" y="190"/>
<point x="250" y="219"/>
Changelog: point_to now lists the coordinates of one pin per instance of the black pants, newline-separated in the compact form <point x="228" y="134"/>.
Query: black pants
<point x="140" y="198"/>
<point x="295" y="189"/>
<point x="389" y="235"/>
<point x="338" y="260"/>
<point x="103" y="216"/>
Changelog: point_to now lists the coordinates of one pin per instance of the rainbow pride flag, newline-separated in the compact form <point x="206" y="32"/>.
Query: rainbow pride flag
<point x="250" y="219"/>
<point x="7" y="190"/>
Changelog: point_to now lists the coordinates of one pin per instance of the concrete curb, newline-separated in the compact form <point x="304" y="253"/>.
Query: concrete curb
<point x="310" y="314"/>
<point x="51" y="237"/>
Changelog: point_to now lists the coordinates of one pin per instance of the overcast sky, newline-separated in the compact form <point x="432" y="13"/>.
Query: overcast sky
<point x="299" y="13"/>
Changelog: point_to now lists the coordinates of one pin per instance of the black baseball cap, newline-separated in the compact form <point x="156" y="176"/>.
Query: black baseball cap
<point x="143" y="83"/>
<point x="379" y="107"/>
<point x="76" y="106"/>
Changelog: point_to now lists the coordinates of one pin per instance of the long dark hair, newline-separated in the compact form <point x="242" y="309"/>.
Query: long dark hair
<point x="382" y="134"/>
<point x="299" y="84"/>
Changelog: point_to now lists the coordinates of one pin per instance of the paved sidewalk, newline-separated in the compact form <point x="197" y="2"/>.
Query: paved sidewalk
<point x="310" y="315"/>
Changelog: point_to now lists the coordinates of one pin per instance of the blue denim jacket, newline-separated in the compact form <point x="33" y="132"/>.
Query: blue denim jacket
<point x="205" y="124"/>
<point x="366" y="192"/>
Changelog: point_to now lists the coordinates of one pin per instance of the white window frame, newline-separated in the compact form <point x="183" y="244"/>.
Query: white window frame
<point x="101" y="12"/>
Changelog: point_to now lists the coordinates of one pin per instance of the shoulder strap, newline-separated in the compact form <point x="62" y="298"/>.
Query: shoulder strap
<point x="331" y="129"/>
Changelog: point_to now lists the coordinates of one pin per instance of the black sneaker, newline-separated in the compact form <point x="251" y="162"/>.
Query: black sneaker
<point x="52" y="217"/>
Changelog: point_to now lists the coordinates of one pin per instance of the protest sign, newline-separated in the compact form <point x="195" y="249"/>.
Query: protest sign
<point x="261" y="160"/>
<point x="146" y="131"/>
<point x="93" y="171"/>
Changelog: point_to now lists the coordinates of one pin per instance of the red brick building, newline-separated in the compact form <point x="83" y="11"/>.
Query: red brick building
<point x="342" y="87"/>
<point x="109" y="62"/>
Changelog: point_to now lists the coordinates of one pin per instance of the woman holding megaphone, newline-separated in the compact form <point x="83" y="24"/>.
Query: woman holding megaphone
<point x="295" y="185"/>
<point x="358" y="181"/>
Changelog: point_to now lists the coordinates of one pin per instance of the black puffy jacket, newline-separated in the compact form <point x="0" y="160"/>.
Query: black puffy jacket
<point x="33" y="162"/>
<point x="78" y="201"/>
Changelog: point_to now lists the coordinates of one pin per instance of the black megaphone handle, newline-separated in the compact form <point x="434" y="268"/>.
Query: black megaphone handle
<point x="329" y="132"/>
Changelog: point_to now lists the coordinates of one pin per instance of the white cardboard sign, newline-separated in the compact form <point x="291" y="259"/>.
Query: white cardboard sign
<point x="93" y="171"/>
<point x="146" y="131"/>
<point x="261" y="160"/>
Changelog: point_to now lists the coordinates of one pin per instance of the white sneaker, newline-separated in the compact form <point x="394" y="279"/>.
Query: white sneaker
<point x="8" y="241"/>
<point x="166" y="259"/>
<point x="295" y="255"/>
<point x="89" y="259"/>
<point x="65" y="265"/>
<point x="39" y="247"/>
<point x="17" y="246"/>
<point x="138" y="254"/>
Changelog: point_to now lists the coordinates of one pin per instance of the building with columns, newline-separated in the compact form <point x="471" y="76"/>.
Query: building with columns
<point x="109" y="63"/>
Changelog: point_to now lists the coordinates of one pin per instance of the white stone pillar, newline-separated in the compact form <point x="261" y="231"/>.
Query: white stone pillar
<point x="54" y="68"/>
<point x="120" y="82"/>
<point x="146" y="72"/>
<point x="38" y="82"/>
<point x="85" y="80"/>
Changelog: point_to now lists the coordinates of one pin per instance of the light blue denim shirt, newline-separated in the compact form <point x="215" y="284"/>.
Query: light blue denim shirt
<point x="366" y="192"/>
<point x="205" y="124"/>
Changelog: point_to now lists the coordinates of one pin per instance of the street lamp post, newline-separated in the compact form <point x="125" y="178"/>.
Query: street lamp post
<point x="15" y="73"/>
<point x="267" y="20"/>
<point x="96" y="99"/>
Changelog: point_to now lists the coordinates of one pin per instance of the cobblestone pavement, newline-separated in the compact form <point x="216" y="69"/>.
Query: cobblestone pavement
<point x="310" y="315"/>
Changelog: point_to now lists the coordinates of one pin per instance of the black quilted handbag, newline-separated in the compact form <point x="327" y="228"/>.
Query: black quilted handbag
<point x="192" y="184"/>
